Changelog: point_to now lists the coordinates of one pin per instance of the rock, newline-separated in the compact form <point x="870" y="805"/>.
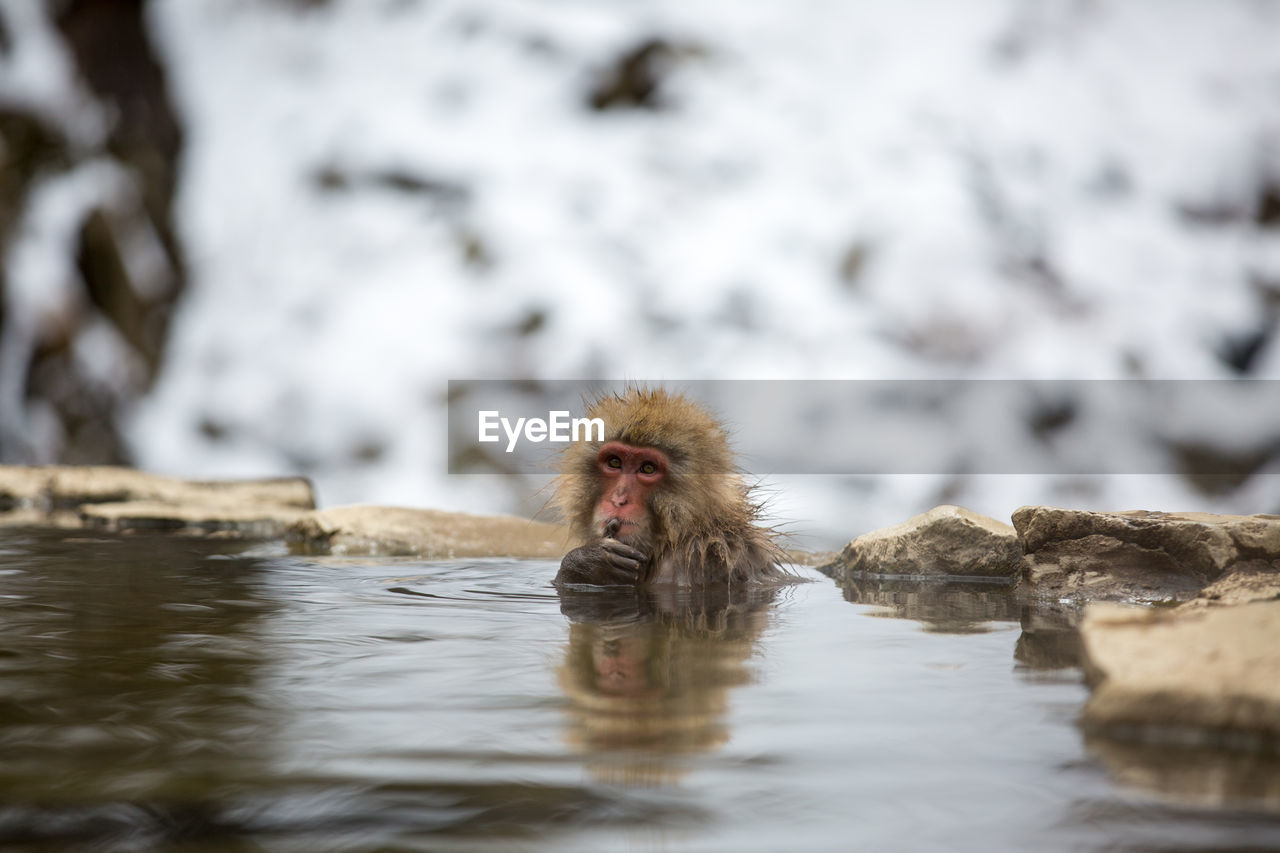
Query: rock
<point x="51" y="487"/>
<point x="247" y="520"/>
<point x="425" y="533"/>
<point x="23" y="488"/>
<point x="946" y="540"/>
<point x="797" y="557"/>
<point x="1253" y="581"/>
<point x="123" y="499"/>
<point x="1138" y="555"/>
<point x="1196" y="677"/>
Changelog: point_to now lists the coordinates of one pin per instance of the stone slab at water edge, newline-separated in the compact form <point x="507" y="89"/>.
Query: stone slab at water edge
<point x="1140" y="555"/>
<point x="425" y="533"/>
<point x="1203" y="673"/>
<point x="122" y="499"/>
<point x="1200" y="676"/>
<point x="127" y="501"/>
<point x="946" y="540"/>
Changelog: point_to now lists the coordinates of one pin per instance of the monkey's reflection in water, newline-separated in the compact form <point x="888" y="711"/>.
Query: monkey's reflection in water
<point x="648" y="674"/>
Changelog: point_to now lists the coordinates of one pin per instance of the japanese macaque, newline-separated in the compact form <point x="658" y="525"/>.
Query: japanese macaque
<point x="659" y="500"/>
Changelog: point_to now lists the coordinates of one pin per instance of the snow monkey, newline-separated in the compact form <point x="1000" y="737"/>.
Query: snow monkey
<point x="659" y="501"/>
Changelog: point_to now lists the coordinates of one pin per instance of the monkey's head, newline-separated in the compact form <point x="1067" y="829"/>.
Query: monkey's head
<point x="663" y="472"/>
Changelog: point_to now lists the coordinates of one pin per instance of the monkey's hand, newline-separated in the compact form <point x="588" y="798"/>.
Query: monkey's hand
<point x="605" y="562"/>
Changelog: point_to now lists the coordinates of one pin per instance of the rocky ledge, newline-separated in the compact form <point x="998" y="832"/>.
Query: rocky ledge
<point x="1077" y="556"/>
<point x="424" y="533"/>
<point x="946" y="540"/>
<point x="1199" y="664"/>
<point x="1139" y="555"/>
<point x="123" y="500"/>
<point x="1180" y="639"/>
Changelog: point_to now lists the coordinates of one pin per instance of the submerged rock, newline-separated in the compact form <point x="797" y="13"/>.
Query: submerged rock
<point x="1208" y="676"/>
<point x="429" y="534"/>
<point x="946" y="540"/>
<point x="1139" y="555"/>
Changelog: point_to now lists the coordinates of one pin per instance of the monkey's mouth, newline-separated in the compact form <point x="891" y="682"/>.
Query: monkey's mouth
<point x="614" y="526"/>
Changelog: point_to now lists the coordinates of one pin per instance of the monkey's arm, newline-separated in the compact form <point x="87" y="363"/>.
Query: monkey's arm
<point x="605" y="562"/>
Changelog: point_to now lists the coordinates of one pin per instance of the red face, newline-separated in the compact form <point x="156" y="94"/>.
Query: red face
<point x="629" y="474"/>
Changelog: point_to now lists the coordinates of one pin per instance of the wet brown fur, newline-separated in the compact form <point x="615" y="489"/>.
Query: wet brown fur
<point x="704" y="518"/>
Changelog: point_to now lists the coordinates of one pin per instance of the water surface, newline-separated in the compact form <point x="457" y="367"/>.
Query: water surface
<point x="160" y="693"/>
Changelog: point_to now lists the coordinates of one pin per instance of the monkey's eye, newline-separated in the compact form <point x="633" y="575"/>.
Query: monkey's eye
<point x="613" y="462"/>
<point x="648" y="468"/>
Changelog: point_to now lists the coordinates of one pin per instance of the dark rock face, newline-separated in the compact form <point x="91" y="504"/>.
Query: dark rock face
<point x="1139" y="555"/>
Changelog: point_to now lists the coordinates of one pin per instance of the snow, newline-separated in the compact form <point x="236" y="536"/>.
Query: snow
<point x="1016" y="174"/>
<point x="37" y="75"/>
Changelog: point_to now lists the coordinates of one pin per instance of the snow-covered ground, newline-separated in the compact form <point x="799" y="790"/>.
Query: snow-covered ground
<point x="382" y="196"/>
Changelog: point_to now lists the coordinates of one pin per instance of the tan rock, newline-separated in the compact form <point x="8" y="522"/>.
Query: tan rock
<point x="93" y="484"/>
<point x="1251" y="581"/>
<point x="63" y="486"/>
<point x="808" y="558"/>
<point x="1208" y="676"/>
<point x="425" y="533"/>
<point x="1138" y="555"/>
<point x="123" y="499"/>
<point x="246" y="520"/>
<point x="23" y="488"/>
<point x="946" y="540"/>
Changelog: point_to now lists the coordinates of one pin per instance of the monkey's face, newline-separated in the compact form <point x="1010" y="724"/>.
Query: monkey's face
<point x="629" y="476"/>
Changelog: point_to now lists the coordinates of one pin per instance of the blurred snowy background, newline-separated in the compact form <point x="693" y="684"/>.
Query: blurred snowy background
<point x="256" y="237"/>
